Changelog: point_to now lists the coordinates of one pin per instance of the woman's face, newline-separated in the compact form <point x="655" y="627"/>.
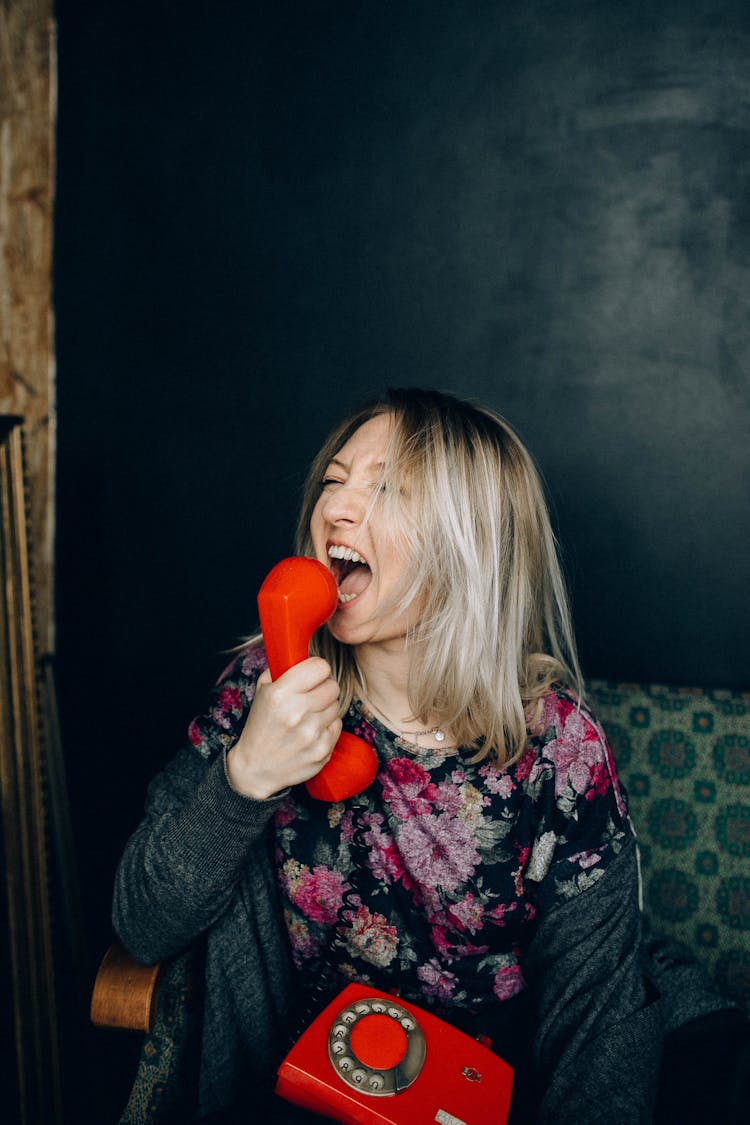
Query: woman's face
<point x="349" y="536"/>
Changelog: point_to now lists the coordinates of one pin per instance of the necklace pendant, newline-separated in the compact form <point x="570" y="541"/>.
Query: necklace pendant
<point x="439" y="735"/>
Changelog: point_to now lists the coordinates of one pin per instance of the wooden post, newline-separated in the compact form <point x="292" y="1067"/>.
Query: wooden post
<point x="27" y="119"/>
<point x="25" y="871"/>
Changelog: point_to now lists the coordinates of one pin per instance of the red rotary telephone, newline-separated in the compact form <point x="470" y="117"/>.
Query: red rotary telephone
<point x="368" y="1058"/>
<point x="373" y="1059"/>
<point x="296" y="598"/>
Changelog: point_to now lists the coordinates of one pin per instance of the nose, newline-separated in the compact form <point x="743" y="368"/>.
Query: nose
<point x="344" y="505"/>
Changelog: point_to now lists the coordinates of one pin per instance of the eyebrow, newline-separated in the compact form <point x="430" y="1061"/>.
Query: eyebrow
<point x="380" y="465"/>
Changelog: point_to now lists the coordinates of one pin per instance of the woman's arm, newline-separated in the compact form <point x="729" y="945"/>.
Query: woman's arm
<point x="598" y="1031"/>
<point x="210" y="806"/>
<point x="597" y="1041"/>
<point x="181" y="866"/>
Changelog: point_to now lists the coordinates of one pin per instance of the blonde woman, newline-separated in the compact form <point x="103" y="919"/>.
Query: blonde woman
<point x="489" y="872"/>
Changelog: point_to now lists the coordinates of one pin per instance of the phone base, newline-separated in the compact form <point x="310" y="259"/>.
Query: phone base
<point x="457" y="1081"/>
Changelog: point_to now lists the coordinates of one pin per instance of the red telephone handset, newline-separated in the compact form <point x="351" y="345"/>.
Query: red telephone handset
<point x="296" y="598"/>
<point x="372" y="1059"/>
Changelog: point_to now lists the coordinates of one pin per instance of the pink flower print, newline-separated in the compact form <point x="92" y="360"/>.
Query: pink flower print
<point x="384" y="861"/>
<point x="437" y="981"/>
<point x="600" y="781"/>
<point x="467" y="913"/>
<point x="230" y="698"/>
<point x="383" y="858"/>
<point x="365" y="732"/>
<point x="441" y="940"/>
<point x="523" y="858"/>
<point x="448" y="798"/>
<point x="408" y="775"/>
<point x="576" y="753"/>
<point x="366" y="827"/>
<point x="586" y="859"/>
<point x="556" y="710"/>
<point x="285" y="814"/>
<point x="319" y="894"/>
<point x="508" y="982"/>
<point x="406" y="787"/>
<point x="523" y="766"/>
<point x="347" y="827"/>
<point x="498" y="913"/>
<point x="465" y="801"/>
<point x="372" y="939"/>
<point x="194" y="734"/>
<point x="612" y="771"/>
<point x="439" y="851"/>
<point x="221" y="718"/>
<point x="498" y="782"/>
<point x="255" y="660"/>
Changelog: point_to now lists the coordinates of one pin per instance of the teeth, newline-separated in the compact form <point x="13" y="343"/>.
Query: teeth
<point x="344" y="598"/>
<point x="338" y="552"/>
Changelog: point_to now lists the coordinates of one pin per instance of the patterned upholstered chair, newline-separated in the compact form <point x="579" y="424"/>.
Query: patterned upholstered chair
<point x="684" y="757"/>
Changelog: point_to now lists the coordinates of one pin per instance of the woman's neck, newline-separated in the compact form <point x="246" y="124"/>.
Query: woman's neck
<point x="385" y="676"/>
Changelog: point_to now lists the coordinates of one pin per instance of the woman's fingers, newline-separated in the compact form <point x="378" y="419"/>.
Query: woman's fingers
<point x="290" y="732"/>
<point x="306" y="675"/>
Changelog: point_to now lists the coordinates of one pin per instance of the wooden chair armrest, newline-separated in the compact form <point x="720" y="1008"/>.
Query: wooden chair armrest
<point x="125" y="993"/>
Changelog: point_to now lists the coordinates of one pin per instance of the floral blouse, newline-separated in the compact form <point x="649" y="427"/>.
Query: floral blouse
<point x="433" y="879"/>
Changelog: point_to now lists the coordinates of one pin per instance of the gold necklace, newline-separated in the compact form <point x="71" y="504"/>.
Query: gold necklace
<point x="408" y="742"/>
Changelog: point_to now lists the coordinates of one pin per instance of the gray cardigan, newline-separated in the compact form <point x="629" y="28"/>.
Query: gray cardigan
<point x="199" y="865"/>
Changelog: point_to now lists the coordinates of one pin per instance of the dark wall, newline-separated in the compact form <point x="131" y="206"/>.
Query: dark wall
<point x="267" y="212"/>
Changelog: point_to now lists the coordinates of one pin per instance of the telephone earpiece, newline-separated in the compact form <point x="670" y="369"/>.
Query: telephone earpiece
<point x="296" y="598"/>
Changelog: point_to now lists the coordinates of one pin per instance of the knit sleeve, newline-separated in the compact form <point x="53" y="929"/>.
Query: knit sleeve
<point x="597" y="1041"/>
<point x="181" y="866"/>
<point x="597" y="1032"/>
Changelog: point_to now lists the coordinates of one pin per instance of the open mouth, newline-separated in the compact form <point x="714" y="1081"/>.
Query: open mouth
<point x="351" y="571"/>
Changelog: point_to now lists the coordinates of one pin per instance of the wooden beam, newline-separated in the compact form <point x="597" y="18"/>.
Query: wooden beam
<point x="27" y="370"/>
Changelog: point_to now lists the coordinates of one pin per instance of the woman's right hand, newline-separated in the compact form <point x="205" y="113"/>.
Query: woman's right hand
<point x="290" y="731"/>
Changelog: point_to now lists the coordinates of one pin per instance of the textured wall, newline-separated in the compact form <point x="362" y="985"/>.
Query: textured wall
<point x="267" y="212"/>
<point x="543" y="205"/>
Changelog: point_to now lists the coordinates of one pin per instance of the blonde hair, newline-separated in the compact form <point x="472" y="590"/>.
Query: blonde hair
<point x="494" y="628"/>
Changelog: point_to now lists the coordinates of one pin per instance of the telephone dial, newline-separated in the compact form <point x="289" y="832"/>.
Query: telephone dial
<point x="373" y="1059"/>
<point x="298" y="596"/>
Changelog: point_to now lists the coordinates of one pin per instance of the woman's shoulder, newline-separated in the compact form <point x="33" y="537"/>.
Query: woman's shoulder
<point x="563" y="712"/>
<point x="570" y="749"/>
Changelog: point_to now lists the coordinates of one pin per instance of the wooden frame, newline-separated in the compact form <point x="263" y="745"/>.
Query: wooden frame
<point x="125" y="994"/>
<point x="29" y="911"/>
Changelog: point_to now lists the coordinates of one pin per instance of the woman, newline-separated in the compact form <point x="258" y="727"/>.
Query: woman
<point x="489" y="873"/>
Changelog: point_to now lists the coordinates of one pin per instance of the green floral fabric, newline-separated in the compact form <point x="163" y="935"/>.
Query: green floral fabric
<point x="683" y="756"/>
